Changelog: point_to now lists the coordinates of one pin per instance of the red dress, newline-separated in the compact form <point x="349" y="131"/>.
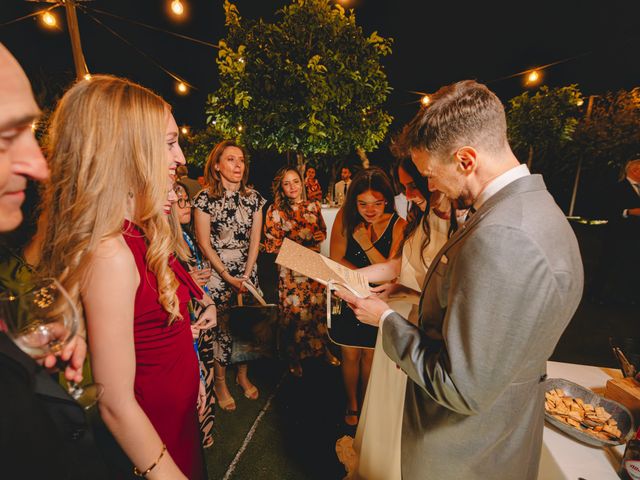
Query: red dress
<point x="167" y="372"/>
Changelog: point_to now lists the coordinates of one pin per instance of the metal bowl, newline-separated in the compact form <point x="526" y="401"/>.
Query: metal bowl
<point x="619" y="412"/>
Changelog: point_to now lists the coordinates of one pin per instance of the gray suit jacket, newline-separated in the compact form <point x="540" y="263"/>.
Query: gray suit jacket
<point x="496" y="299"/>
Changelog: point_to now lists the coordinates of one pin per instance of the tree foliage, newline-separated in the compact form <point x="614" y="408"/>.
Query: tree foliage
<point x="197" y="145"/>
<point x="543" y="123"/>
<point x="611" y="135"/>
<point x="311" y="82"/>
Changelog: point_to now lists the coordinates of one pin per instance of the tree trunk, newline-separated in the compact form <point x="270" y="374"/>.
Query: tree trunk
<point x="530" y="160"/>
<point x="301" y="163"/>
<point x="363" y="157"/>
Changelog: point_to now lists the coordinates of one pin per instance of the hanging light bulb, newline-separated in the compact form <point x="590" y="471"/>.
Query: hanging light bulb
<point x="49" y="19"/>
<point x="580" y="102"/>
<point x="87" y="76"/>
<point x="533" y="77"/>
<point x="177" y="8"/>
<point x="182" y="88"/>
<point x="184" y="130"/>
<point x="240" y="128"/>
<point x="425" y="100"/>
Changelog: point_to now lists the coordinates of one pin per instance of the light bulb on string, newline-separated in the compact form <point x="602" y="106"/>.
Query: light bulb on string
<point x="177" y="8"/>
<point x="425" y="100"/>
<point x="87" y="76"/>
<point x="184" y="130"/>
<point x="182" y="88"/>
<point x="533" y="77"/>
<point x="49" y="20"/>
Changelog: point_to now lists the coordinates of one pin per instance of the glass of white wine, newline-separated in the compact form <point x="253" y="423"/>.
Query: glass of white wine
<point x="42" y="319"/>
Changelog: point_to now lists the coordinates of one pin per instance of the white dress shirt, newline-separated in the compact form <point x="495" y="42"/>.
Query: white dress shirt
<point x="493" y="187"/>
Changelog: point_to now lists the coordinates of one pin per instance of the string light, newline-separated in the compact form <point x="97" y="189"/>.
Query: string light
<point x="49" y="20"/>
<point x="177" y="8"/>
<point x="181" y="88"/>
<point x="240" y="128"/>
<point x="184" y="130"/>
<point x="533" y="77"/>
<point x="87" y="76"/>
<point x="425" y="100"/>
<point x="580" y="102"/>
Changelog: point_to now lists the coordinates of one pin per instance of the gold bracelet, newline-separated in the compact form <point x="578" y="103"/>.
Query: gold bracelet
<point x="138" y="473"/>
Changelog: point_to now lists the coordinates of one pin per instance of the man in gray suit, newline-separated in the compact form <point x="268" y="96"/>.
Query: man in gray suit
<point x="495" y="301"/>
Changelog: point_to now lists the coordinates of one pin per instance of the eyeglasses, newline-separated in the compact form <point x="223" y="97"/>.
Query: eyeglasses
<point x="184" y="202"/>
<point x="377" y="204"/>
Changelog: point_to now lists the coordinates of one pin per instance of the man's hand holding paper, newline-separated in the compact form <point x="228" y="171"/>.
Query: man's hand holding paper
<point x="367" y="310"/>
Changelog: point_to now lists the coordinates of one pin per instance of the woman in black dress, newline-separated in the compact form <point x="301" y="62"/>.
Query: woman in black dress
<point x="366" y="230"/>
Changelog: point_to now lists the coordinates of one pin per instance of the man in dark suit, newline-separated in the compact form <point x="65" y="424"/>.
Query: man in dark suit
<point x="43" y="431"/>
<point x="495" y="301"/>
<point x="621" y="273"/>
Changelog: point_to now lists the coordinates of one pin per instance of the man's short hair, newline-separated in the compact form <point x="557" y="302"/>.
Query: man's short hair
<point x="465" y="113"/>
<point x="182" y="171"/>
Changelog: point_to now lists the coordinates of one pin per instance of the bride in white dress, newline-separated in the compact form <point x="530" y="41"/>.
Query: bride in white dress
<point x="375" y="452"/>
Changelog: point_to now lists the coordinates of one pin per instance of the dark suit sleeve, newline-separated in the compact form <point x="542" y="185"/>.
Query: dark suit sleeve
<point x="500" y="290"/>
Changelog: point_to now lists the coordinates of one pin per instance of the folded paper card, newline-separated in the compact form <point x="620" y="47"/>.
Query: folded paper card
<point x="322" y="269"/>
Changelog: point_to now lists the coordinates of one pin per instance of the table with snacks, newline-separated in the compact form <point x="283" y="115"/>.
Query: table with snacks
<point x="566" y="458"/>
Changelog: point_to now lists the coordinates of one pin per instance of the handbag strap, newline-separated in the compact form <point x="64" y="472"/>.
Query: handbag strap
<point x="253" y="290"/>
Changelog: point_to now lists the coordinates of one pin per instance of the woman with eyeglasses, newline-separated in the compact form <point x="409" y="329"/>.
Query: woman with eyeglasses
<point x="367" y="230"/>
<point x="200" y="271"/>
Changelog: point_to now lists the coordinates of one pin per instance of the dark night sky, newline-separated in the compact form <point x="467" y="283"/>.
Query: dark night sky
<point x="436" y="43"/>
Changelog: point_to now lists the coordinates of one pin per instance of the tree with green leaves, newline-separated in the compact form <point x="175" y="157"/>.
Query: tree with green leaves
<point x="610" y="136"/>
<point x="544" y="123"/>
<point x="311" y="82"/>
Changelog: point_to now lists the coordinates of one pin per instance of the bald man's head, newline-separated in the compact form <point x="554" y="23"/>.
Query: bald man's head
<point x="20" y="155"/>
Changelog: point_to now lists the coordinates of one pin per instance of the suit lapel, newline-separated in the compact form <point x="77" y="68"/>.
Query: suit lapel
<point x="521" y="185"/>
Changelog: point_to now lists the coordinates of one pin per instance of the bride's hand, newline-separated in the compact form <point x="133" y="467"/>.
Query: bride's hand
<point x="387" y="290"/>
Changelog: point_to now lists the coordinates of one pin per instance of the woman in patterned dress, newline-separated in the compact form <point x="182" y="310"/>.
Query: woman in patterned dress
<point x="312" y="186"/>
<point x="200" y="274"/>
<point x="302" y="300"/>
<point x="228" y="219"/>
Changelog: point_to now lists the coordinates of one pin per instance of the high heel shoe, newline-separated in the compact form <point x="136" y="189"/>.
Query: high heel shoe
<point x="227" y="404"/>
<point x="331" y="359"/>
<point x="251" y="393"/>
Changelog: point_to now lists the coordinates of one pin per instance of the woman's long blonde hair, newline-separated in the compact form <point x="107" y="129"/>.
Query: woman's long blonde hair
<point x="106" y="145"/>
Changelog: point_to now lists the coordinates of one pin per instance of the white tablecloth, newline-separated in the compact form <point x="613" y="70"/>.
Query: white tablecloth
<point x="565" y="458"/>
<point x="329" y="215"/>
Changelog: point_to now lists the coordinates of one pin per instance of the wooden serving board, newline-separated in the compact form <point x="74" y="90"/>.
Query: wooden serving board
<point x="627" y="392"/>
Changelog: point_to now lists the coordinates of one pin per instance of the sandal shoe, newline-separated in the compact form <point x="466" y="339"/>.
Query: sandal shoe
<point x="351" y="413"/>
<point x="295" y="369"/>
<point x="226" y="404"/>
<point x="251" y="393"/>
<point x="331" y="359"/>
<point x="208" y="443"/>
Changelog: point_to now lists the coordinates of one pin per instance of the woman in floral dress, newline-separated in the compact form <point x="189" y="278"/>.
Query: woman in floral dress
<point x="314" y="190"/>
<point x="228" y="220"/>
<point x="302" y="300"/>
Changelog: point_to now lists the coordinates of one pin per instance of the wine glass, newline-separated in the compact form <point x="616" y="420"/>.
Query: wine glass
<point x="41" y="319"/>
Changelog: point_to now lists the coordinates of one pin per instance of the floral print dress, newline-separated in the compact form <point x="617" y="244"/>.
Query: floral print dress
<point x="302" y="300"/>
<point x="231" y="219"/>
